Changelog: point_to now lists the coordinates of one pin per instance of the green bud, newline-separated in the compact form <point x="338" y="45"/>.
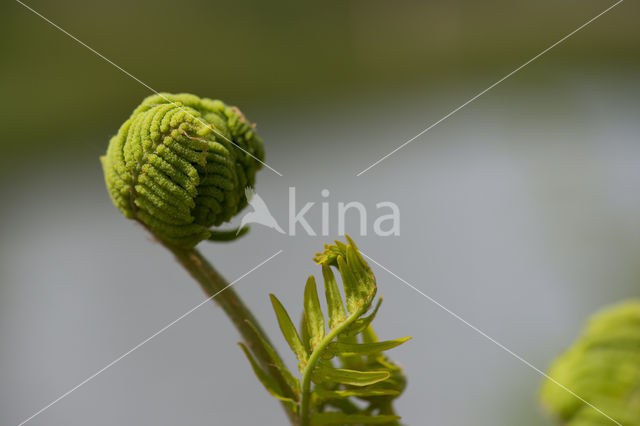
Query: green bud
<point x="180" y="164"/>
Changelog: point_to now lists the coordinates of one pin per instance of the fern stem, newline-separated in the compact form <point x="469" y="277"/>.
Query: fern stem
<point x="305" y="398"/>
<point x="212" y="283"/>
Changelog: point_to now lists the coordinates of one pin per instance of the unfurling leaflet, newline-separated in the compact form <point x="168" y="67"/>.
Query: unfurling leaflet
<point x="345" y="378"/>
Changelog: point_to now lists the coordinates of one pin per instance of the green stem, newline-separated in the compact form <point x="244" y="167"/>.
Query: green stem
<point x="214" y="284"/>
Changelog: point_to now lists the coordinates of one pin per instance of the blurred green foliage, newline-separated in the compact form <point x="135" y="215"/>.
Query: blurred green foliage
<point x="255" y="53"/>
<point x="603" y="367"/>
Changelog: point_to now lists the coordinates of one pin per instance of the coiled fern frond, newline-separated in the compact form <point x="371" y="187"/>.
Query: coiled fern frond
<point x="346" y="380"/>
<point x="603" y="367"/>
<point x="180" y="165"/>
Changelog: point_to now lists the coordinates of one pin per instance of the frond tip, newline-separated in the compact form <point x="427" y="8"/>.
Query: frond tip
<point x="345" y="377"/>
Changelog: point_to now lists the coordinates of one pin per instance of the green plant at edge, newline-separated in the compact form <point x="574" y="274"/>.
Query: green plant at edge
<point x="603" y="368"/>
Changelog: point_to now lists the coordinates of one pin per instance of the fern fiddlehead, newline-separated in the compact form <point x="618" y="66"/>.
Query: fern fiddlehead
<point x="603" y="367"/>
<point x="180" y="164"/>
<point x="327" y="391"/>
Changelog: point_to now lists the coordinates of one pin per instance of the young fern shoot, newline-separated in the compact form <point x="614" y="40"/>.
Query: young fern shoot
<point x="346" y="379"/>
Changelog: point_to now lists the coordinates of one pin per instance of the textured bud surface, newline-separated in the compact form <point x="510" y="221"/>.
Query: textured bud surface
<point x="603" y="367"/>
<point x="180" y="165"/>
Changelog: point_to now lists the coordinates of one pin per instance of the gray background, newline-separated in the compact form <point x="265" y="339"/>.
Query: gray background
<point x="520" y="213"/>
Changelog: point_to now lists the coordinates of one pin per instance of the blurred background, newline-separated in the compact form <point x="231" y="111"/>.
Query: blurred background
<point x="521" y="212"/>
